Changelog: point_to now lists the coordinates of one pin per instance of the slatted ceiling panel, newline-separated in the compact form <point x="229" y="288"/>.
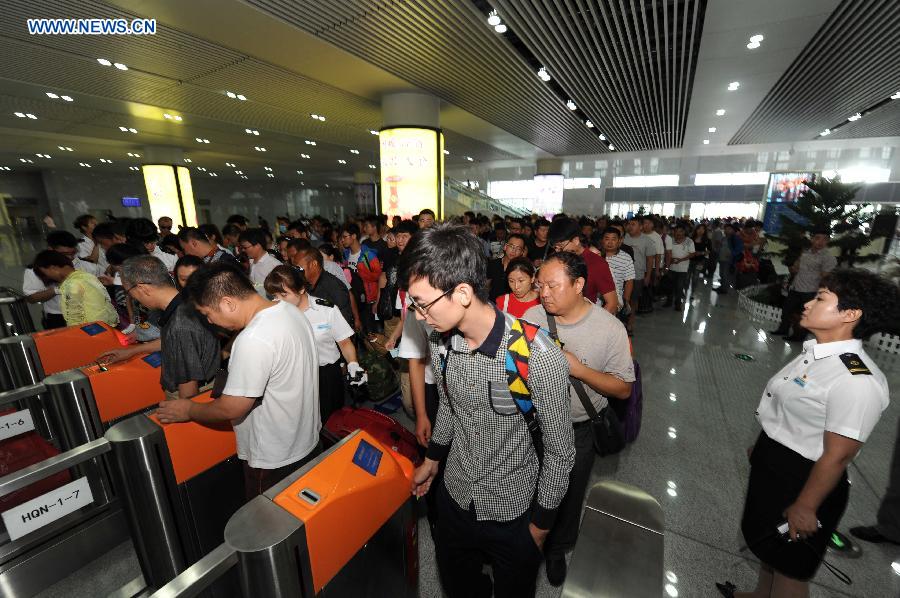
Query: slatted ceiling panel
<point x="447" y="49"/>
<point x="884" y="122"/>
<point x="850" y="65"/>
<point x="169" y="52"/>
<point x="629" y="65"/>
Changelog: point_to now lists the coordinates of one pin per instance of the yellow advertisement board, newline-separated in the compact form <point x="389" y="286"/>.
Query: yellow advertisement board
<point x="170" y="196"/>
<point x="412" y="171"/>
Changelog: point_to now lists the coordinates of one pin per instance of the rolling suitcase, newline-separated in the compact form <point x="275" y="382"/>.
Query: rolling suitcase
<point x="348" y="419"/>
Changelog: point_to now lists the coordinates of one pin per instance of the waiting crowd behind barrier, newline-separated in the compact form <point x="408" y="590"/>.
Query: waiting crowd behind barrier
<point x="509" y="336"/>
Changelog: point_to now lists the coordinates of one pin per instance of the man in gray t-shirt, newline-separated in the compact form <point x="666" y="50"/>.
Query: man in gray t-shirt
<point x="808" y="271"/>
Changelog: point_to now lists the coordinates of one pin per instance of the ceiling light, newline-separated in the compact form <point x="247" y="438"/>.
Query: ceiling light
<point x="5" y="168"/>
<point x="238" y="172"/>
<point x="133" y="168"/>
<point x="267" y="168"/>
<point x="244" y="177"/>
<point x="308" y="142"/>
<point x="342" y="161"/>
<point x="612" y="147"/>
<point x="469" y="158"/>
<point x="127" y="129"/>
<point x="601" y="137"/>
<point x="105" y="161"/>
<point x="201" y="169"/>
<point x="706" y="142"/>
<point x="318" y="117"/>
<point x="134" y="155"/>
<point x="120" y="66"/>
<point x="259" y="148"/>
<point x="373" y="132"/>
<point x="571" y="105"/>
<point x="446" y="152"/>
<point x="493" y="18"/>
<point x="104" y="62"/>
<point x="299" y="172"/>
<point x="543" y="74"/>
<point x="589" y="124"/>
<point x="19" y="114"/>
<point x="354" y="151"/>
<point x="853" y="118"/>
<point x="26" y="161"/>
<point x="85" y="164"/>
<point x="67" y="98"/>
<point x="733" y="85"/>
<point x="231" y="164"/>
<point x="242" y="97"/>
<point x="304" y="156"/>
<point x="501" y="28"/>
<point x="187" y="160"/>
<point x="174" y="117"/>
<point x="52" y="95"/>
<point x="251" y="131"/>
<point x="712" y="129"/>
<point x="720" y="112"/>
<point x="825" y="133"/>
<point x="65" y="148"/>
<point x="42" y="155"/>
<point x="896" y="96"/>
<point x="231" y="94"/>
<point x="31" y="116"/>
<point x="372" y="166"/>
<point x="752" y="45"/>
<point x="755" y="39"/>
<point x="213" y="174"/>
<point x="270" y="175"/>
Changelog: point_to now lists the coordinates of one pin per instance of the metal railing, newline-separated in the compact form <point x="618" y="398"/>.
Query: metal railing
<point x="46" y="468"/>
<point x="201" y="575"/>
<point x="473" y="200"/>
<point x="15" y="314"/>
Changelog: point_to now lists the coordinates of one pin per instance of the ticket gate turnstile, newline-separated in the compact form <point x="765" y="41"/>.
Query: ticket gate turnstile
<point x="343" y="525"/>
<point x="81" y="404"/>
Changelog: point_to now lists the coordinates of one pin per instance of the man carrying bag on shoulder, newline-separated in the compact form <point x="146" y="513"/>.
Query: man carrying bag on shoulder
<point x="595" y="343"/>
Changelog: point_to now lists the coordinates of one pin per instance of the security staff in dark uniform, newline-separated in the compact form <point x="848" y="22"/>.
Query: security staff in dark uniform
<point x="815" y="415"/>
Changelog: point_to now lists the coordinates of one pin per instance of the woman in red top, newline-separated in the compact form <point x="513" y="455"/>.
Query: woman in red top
<point x="520" y="276"/>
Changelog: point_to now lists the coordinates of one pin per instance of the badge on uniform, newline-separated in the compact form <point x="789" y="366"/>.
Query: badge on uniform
<point x="801" y="382"/>
<point x="854" y="364"/>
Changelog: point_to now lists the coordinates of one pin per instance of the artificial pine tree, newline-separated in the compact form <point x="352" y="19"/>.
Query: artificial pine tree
<point x="826" y="204"/>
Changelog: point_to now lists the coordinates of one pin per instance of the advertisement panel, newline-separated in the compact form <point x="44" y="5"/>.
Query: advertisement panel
<point x="170" y="196"/>
<point x="412" y="171"/>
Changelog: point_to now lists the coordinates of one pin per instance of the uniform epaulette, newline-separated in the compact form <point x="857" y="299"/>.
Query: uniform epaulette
<point x="324" y="302"/>
<point x="854" y="364"/>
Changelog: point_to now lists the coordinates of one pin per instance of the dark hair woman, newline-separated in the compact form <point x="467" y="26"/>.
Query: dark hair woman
<point x="520" y="278"/>
<point x="815" y="415"/>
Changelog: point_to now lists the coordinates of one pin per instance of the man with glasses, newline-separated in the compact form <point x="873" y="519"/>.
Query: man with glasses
<point x="496" y="270"/>
<point x="189" y="350"/>
<point x="253" y="243"/>
<point x="497" y="501"/>
<point x="565" y="235"/>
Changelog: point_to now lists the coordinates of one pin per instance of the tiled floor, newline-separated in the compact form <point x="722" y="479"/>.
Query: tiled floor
<point x="694" y="384"/>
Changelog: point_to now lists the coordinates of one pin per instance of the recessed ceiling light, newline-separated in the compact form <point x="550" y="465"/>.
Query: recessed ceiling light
<point x="734" y="85"/>
<point x="104" y="62"/>
<point x="26" y="161"/>
<point x="304" y="156"/>
<point x="238" y="172"/>
<point x="571" y="105"/>
<point x="308" y="142"/>
<point x="446" y="152"/>
<point x="706" y="142"/>
<point x="174" y="117"/>
<point x="43" y="156"/>
<point x="251" y="131"/>
<point x="612" y="147"/>
<point x="134" y="155"/>
<point x="589" y="124"/>
<point x="85" y="164"/>
<point x="267" y="168"/>
<point x="373" y="132"/>
<point x="65" y="148"/>
<point x="270" y="175"/>
<point x="896" y="96"/>
<point x="201" y="169"/>
<point x="720" y="112"/>
<point x="470" y="159"/>
<point x="501" y="28"/>
<point x="231" y="95"/>
<point x="134" y="168"/>
<point x="342" y="161"/>
<point x="372" y="166"/>
<point x="244" y="177"/>
<point x="231" y="164"/>
<point x="105" y="161"/>
<point x="201" y="140"/>
<point x="756" y="38"/>
<point x="52" y="95"/>
<point x="712" y="129"/>
<point x="601" y="137"/>
<point x="5" y="168"/>
<point x="317" y="117"/>
<point x="259" y="148"/>
<point x="299" y="172"/>
<point x="855" y="117"/>
<point x="127" y="129"/>
<point x="120" y="66"/>
<point x="543" y="74"/>
<point x="213" y="174"/>
<point x="354" y="151"/>
<point x="31" y="116"/>
<point x="19" y="114"/>
<point x="752" y="45"/>
<point x="67" y="98"/>
<point x="493" y="18"/>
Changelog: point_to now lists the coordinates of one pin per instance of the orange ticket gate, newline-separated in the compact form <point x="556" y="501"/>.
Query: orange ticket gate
<point x="181" y="484"/>
<point x="343" y="525"/>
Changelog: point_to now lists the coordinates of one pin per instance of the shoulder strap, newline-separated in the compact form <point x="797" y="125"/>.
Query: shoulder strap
<point x="577" y="384"/>
<point x="506" y="303"/>
<point x="518" y="353"/>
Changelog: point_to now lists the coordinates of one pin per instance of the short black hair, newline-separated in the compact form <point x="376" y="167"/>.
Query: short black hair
<point x="229" y="230"/>
<point x="190" y="233"/>
<point x="612" y="230"/>
<point x="371" y="219"/>
<point x="522" y="264"/>
<point x="518" y="236"/>
<point x="406" y="226"/>
<point x="49" y="258"/>
<point x="212" y="233"/>
<point x="541" y="222"/>
<point x="108" y="230"/>
<point x="210" y="284"/>
<point x="331" y="251"/>
<point x="141" y="230"/>
<point x="573" y="264"/>
<point x="188" y="261"/>
<point x="447" y="255"/>
<point x="82" y="220"/>
<point x="61" y="238"/>
<point x="428" y="211"/>
<point x="298" y="226"/>
<point x="313" y="254"/>
<point x="118" y="253"/>
<point x="237" y="219"/>
<point x="877" y="297"/>
<point x="563" y="229"/>
<point x="170" y="240"/>
<point x="352" y="229"/>
<point x="254" y="236"/>
<point x="285" y="277"/>
<point x="299" y="244"/>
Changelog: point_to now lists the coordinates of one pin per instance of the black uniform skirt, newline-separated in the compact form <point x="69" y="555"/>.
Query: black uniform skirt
<point x="777" y="475"/>
<point x="331" y="389"/>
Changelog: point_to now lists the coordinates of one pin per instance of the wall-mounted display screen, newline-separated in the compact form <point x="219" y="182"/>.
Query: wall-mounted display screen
<point x="787" y="186"/>
<point x="412" y="171"/>
<point x="548" y="194"/>
<point x="131" y="202"/>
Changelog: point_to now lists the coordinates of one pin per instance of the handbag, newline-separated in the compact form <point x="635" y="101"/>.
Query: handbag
<point x="609" y="437"/>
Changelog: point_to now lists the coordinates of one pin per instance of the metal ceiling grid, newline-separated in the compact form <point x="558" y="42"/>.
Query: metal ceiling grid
<point x="884" y="122"/>
<point x="447" y="49"/>
<point x="629" y="64"/>
<point x="849" y="65"/>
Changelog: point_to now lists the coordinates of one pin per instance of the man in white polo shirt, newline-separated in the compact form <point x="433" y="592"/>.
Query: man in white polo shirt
<point x="253" y="243"/>
<point x="272" y="394"/>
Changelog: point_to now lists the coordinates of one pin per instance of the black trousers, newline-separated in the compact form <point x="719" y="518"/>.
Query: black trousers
<point x="568" y="519"/>
<point x="889" y="509"/>
<point x="792" y="308"/>
<point x="432" y="402"/>
<point x="51" y="321"/>
<point x="331" y="389"/>
<point x="257" y="480"/>
<point x="463" y="544"/>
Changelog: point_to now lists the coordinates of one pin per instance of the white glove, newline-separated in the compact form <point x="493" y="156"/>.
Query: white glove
<point x="356" y="374"/>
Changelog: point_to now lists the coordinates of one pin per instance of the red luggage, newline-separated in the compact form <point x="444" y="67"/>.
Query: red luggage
<point x="348" y="419"/>
<point x="18" y="452"/>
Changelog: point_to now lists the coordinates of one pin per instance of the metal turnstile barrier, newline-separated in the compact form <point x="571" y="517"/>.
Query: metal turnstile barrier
<point x="619" y="519"/>
<point x="15" y="314"/>
<point x="342" y="525"/>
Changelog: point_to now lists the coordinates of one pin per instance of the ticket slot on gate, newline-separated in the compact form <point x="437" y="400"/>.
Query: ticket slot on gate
<point x="75" y="346"/>
<point x="344" y="524"/>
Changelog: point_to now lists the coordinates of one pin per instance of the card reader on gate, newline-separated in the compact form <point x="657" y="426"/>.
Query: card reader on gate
<point x="66" y="348"/>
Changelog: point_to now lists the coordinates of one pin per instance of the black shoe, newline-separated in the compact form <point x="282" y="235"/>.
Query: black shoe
<point x="556" y="570"/>
<point x="870" y="533"/>
<point x="726" y="589"/>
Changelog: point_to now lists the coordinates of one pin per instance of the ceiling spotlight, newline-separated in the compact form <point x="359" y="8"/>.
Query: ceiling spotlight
<point x="469" y="158"/>
<point x="752" y="45"/>
<point x="706" y="142"/>
<point x="308" y="142"/>
<point x="67" y="98"/>
<point x="267" y="168"/>
<point x="446" y="152"/>
<point x="855" y="117"/>
<point x="187" y="160"/>
<point x="720" y="112"/>
<point x="231" y="164"/>
<point x="755" y="39"/>
<point x="133" y="168"/>
<point x="601" y="137"/>
<point x="270" y="175"/>
<point x="543" y="74"/>
<point x="52" y="95"/>
<point x="65" y="148"/>
<point x="712" y="129"/>
<point x="251" y="131"/>
<point x="318" y="117"/>
<point x="105" y="161"/>
<point x="304" y="156"/>
<point x="342" y="161"/>
<point x="493" y="18"/>
<point x="213" y="174"/>
<point x="85" y="164"/>
<point x="19" y="114"/>
<point x="43" y="156"/>
<point x="733" y="85"/>
<point x="589" y="124"/>
<point x="201" y="140"/>
<point x="299" y="172"/>
<point x="244" y="177"/>
<point x="372" y="166"/>
<point x="238" y="172"/>
<point x="104" y="62"/>
<point x="896" y="96"/>
<point x="259" y="148"/>
<point x="134" y="155"/>
<point x="242" y="97"/>
<point x="231" y="94"/>
<point x="5" y="168"/>
<point x="120" y="66"/>
<point x="354" y="151"/>
<point x="373" y="132"/>
<point x="201" y="169"/>
<point x="26" y="161"/>
<point x="571" y="105"/>
<point x="612" y="147"/>
<point x="501" y="28"/>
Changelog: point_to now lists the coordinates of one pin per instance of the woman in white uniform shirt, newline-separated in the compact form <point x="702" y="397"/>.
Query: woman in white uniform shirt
<point x="815" y="415"/>
<point x="332" y="333"/>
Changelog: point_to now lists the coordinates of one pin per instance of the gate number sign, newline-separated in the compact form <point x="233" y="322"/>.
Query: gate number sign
<point x="47" y="508"/>
<point x="13" y="424"/>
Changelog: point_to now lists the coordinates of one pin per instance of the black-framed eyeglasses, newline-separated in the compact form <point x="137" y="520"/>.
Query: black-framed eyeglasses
<point x="132" y="287"/>
<point x="423" y="309"/>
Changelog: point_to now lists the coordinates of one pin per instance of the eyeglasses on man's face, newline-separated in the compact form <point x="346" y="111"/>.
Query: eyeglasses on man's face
<point x="423" y="308"/>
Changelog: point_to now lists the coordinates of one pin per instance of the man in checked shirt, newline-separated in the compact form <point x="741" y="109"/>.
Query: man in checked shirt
<point x="495" y="504"/>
